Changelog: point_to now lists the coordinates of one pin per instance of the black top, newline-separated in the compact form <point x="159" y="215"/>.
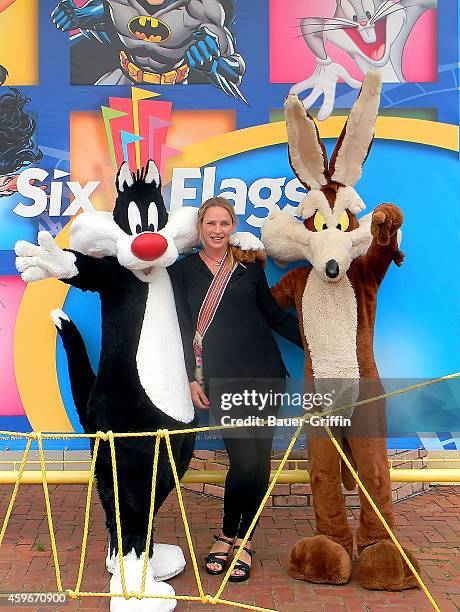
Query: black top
<point x="238" y="343"/>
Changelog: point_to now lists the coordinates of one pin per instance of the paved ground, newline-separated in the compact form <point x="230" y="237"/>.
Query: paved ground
<point x="429" y="525"/>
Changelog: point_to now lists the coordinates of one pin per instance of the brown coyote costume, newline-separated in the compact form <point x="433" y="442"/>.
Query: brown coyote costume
<point x="336" y="302"/>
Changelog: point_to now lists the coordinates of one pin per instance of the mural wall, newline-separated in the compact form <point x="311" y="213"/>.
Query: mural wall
<point x="199" y="87"/>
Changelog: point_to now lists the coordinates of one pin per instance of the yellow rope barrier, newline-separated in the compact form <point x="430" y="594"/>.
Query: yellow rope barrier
<point x="259" y="510"/>
<point x="48" y="513"/>
<point x="237" y="604"/>
<point x="15" y="490"/>
<point x="131" y="434"/>
<point x="208" y="599"/>
<point x="117" y="512"/>
<point x="110" y="437"/>
<point x="73" y="594"/>
<point x="165" y="433"/>
<point x="156" y="453"/>
<point x="87" y="514"/>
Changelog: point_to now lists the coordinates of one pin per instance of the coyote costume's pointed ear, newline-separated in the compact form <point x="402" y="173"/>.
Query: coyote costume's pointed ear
<point x="355" y="141"/>
<point x="306" y="151"/>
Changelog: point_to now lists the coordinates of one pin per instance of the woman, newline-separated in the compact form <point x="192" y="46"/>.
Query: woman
<point x="231" y="306"/>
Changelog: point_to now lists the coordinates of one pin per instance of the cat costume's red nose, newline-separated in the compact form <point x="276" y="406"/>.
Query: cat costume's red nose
<point x="149" y="246"/>
<point x="363" y="22"/>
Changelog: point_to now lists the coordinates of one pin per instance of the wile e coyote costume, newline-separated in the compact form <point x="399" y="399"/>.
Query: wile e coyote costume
<point x="336" y="301"/>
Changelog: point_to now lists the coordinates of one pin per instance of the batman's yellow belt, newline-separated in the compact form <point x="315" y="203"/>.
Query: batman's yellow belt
<point x="142" y="76"/>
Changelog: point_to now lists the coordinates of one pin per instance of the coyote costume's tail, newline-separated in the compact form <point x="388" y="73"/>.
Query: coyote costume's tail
<point x="81" y="373"/>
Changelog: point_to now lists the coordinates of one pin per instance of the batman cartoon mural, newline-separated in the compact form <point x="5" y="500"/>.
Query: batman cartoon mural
<point x="149" y="29"/>
<point x="153" y="42"/>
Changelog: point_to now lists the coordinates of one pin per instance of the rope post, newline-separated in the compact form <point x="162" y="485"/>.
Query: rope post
<point x="48" y="511"/>
<point x="16" y="487"/>
<point x="117" y="513"/>
<point x="87" y="514"/>
<point x="165" y="433"/>
<point x="148" y="538"/>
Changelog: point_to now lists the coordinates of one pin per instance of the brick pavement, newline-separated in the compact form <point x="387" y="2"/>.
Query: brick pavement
<point x="429" y="525"/>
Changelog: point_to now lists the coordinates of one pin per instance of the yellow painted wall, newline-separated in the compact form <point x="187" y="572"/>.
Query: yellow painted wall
<point x="19" y="48"/>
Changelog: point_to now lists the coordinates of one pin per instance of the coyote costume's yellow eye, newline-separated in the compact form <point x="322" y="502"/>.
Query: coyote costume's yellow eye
<point x="344" y="222"/>
<point x="319" y="222"/>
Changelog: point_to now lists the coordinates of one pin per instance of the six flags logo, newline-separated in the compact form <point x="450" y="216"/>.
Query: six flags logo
<point x="38" y="198"/>
<point x="186" y="185"/>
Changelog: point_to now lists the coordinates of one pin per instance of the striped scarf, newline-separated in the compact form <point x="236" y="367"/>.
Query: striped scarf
<point x="208" y="310"/>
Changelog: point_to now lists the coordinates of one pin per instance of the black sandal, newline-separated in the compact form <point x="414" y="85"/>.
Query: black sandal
<point x="214" y="557"/>
<point x="242" y="567"/>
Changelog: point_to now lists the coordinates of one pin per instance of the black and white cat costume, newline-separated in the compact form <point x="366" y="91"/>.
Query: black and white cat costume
<point x="141" y="384"/>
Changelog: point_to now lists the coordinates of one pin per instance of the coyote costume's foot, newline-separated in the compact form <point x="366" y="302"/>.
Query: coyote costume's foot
<point x="321" y="560"/>
<point x="381" y="567"/>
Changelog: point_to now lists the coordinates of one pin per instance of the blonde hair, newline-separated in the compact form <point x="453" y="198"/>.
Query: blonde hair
<point x="236" y="254"/>
<point x="217" y="202"/>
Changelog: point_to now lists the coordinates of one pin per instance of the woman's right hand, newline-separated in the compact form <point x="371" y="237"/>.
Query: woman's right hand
<point x="199" y="398"/>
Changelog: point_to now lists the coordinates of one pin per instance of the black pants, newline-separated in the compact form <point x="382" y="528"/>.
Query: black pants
<point x="247" y="479"/>
<point x="248" y="448"/>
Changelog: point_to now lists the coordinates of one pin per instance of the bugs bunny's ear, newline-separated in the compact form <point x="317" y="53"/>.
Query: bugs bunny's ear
<point x="124" y="177"/>
<point x="306" y="151"/>
<point x="152" y="174"/>
<point x="355" y="141"/>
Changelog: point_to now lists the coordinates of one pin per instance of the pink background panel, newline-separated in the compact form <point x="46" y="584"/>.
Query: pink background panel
<point x="292" y="61"/>
<point x="11" y="290"/>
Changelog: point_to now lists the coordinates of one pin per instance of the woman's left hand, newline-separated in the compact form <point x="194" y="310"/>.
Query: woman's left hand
<point x="199" y="398"/>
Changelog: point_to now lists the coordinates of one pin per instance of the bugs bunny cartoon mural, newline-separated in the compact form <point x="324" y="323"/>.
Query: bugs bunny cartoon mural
<point x="373" y="32"/>
<point x="336" y="300"/>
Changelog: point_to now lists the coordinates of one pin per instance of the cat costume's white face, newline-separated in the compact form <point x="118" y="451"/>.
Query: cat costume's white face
<point x="139" y="232"/>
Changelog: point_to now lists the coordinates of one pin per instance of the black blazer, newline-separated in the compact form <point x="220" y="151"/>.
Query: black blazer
<point x="239" y="342"/>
